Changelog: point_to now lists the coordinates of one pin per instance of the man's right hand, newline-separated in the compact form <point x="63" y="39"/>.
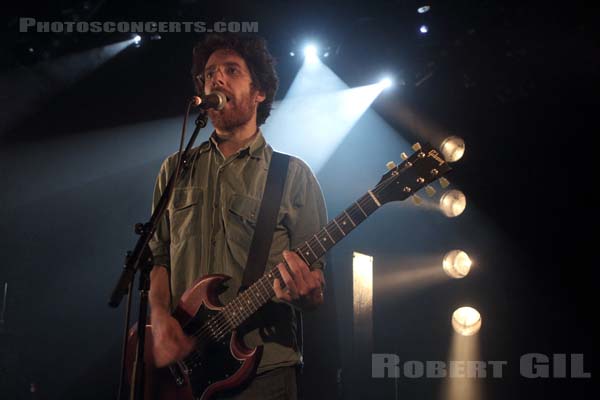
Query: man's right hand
<point x="170" y="343"/>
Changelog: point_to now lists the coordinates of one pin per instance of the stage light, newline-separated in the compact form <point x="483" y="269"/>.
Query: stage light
<point x="362" y="272"/>
<point x="453" y="148"/>
<point x="292" y="54"/>
<point x="326" y="54"/>
<point x="311" y="53"/>
<point x="466" y="321"/>
<point x="362" y="267"/>
<point x="423" y="29"/>
<point x="423" y="10"/>
<point x="386" y="83"/>
<point x="362" y="329"/>
<point x="453" y="203"/>
<point x="137" y="39"/>
<point x="457" y="264"/>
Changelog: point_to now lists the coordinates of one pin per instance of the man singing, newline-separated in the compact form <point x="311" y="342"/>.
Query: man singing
<point x="210" y="221"/>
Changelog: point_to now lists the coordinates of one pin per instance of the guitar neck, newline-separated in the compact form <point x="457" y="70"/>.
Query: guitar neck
<point x="261" y="291"/>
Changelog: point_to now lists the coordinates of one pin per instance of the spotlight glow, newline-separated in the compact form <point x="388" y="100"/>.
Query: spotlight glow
<point x="453" y="203"/>
<point x="457" y="264"/>
<point x="137" y="39"/>
<point x="466" y="321"/>
<point x="453" y="148"/>
<point x="386" y="83"/>
<point x="317" y="95"/>
<point x="292" y="54"/>
<point x="311" y="53"/>
<point x="423" y="10"/>
<point x="423" y="29"/>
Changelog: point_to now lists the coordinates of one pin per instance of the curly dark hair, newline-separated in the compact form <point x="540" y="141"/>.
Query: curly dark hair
<point x="253" y="49"/>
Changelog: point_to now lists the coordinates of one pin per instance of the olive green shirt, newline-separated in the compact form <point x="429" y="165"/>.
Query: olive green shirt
<point x="210" y="222"/>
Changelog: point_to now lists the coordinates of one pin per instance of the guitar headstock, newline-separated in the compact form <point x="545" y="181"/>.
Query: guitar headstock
<point x="424" y="166"/>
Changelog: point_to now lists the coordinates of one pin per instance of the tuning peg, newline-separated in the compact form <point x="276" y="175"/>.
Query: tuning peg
<point x="430" y="190"/>
<point x="404" y="156"/>
<point x="416" y="146"/>
<point x="390" y="165"/>
<point x="417" y="200"/>
<point x="444" y="183"/>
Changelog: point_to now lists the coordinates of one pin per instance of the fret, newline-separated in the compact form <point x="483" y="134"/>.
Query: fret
<point x="341" y="230"/>
<point x="233" y="310"/>
<point x="304" y="255"/>
<point x="325" y="229"/>
<point x="351" y="221"/>
<point x="264" y="289"/>
<point x="231" y="317"/>
<point x="248" y="304"/>
<point x="368" y="204"/>
<point x="263" y="292"/>
<point x="371" y="204"/>
<point x="275" y="274"/>
<point x="311" y="250"/>
<point x="360" y="208"/>
<point x="258" y="293"/>
<point x="216" y="317"/>
<point x="251" y="301"/>
<point x="323" y="247"/>
<point x="211" y="325"/>
<point x="374" y="198"/>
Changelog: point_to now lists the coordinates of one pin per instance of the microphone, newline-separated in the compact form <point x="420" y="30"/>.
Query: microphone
<point x="214" y="100"/>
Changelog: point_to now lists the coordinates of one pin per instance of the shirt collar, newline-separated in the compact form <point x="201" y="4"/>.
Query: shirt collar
<point x="254" y="149"/>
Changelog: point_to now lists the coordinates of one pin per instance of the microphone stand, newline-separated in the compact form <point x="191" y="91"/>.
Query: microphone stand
<point x="140" y="259"/>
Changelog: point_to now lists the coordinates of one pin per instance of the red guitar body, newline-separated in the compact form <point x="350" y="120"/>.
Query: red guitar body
<point x="215" y="366"/>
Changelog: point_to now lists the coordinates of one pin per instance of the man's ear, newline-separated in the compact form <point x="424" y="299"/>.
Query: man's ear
<point x="260" y="96"/>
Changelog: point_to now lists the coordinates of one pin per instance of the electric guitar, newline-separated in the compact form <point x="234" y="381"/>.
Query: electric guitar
<point x="221" y="362"/>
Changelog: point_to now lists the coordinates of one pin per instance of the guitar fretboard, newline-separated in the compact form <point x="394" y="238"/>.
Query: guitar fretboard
<point x="259" y="293"/>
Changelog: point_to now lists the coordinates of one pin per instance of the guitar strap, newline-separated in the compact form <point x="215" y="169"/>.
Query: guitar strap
<point x="265" y="228"/>
<point x="267" y="219"/>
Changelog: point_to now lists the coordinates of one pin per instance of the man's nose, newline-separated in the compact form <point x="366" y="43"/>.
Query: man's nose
<point x="218" y="79"/>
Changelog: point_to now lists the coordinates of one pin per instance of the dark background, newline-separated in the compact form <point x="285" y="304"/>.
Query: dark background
<point x="517" y="82"/>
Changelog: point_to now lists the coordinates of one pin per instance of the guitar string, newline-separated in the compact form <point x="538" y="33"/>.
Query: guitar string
<point x="224" y="320"/>
<point x="210" y="333"/>
<point x="222" y="326"/>
<point x="353" y="213"/>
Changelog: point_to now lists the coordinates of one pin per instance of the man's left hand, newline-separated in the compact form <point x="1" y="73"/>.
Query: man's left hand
<point x="303" y="287"/>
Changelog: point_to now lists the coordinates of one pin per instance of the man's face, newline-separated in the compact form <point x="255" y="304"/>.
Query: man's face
<point x="227" y="72"/>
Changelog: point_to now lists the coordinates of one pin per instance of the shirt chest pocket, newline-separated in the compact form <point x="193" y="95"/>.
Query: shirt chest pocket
<point x="240" y="222"/>
<point x="184" y="213"/>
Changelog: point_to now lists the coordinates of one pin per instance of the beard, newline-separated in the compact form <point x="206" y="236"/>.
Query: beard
<point x="236" y="113"/>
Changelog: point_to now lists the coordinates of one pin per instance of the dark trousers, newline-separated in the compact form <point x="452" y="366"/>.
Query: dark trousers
<point x="277" y="384"/>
